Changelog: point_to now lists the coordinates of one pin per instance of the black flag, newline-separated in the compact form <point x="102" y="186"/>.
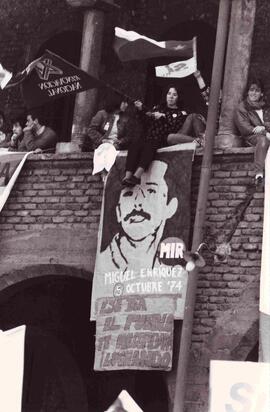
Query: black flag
<point x="51" y="77"/>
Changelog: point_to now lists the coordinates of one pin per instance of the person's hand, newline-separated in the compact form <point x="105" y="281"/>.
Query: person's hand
<point x="13" y="140"/>
<point x="38" y="150"/>
<point x="197" y="73"/>
<point x="28" y="127"/>
<point x="117" y="143"/>
<point x="158" y="115"/>
<point x="258" y="129"/>
<point x="138" y="104"/>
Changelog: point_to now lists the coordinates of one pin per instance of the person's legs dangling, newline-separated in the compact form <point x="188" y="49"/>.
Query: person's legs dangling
<point x="147" y="154"/>
<point x="133" y="157"/>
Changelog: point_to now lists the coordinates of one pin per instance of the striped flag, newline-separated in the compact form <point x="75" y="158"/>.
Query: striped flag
<point x="179" y="69"/>
<point x="130" y="45"/>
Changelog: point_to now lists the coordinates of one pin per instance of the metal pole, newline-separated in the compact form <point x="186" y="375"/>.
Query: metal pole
<point x="185" y="341"/>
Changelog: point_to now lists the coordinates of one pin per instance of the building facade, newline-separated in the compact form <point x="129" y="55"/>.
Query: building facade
<point x="50" y="222"/>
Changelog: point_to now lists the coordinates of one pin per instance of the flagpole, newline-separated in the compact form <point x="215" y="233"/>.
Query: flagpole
<point x="217" y="70"/>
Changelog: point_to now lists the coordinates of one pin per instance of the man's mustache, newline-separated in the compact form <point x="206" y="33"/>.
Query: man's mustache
<point x="137" y="213"/>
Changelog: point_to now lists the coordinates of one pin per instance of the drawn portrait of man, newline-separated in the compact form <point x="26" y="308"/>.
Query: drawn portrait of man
<point x="137" y="219"/>
<point x="142" y="213"/>
<point x="136" y="222"/>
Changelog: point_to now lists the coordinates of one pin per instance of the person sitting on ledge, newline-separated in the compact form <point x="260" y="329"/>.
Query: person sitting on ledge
<point x="17" y="133"/>
<point x="252" y="119"/>
<point x="166" y="125"/>
<point x="4" y="134"/>
<point x="37" y="136"/>
<point x="110" y="125"/>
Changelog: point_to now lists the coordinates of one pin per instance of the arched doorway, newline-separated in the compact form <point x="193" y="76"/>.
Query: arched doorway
<point x="191" y="96"/>
<point x="59" y="350"/>
<point x="59" y="113"/>
<point x="59" y="343"/>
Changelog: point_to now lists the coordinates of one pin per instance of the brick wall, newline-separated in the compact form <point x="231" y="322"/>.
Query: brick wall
<point x="52" y="215"/>
<point x="226" y="312"/>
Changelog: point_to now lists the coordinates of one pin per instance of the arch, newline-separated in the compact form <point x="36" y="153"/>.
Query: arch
<point x="59" y="341"/>
<point x="59" y="113"/>
<point x="37" y="271"/>
<point x="205" y="35"/>
<point x="54" y="303"/>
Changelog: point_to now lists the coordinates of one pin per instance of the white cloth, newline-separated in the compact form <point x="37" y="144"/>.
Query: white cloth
<point x="11" y="369"/>
<point x="260" y="114"/>
<point x="104" y="157"/>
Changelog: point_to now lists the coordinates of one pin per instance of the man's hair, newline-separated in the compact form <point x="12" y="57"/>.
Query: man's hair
<point x="39" y="115"/>
<point x="257" y="81"/>
<point x="18" y="119"/>
<point x="113" y="102"/>
<point x="177" y="187"/>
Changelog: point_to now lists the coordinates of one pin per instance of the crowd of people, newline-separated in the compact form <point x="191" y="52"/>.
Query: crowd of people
<point x="27" y="133"/>
<point x="169" y="123"/>
<point x="166" y="124"/>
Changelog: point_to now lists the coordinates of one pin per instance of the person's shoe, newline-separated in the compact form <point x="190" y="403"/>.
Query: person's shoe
<point x="259" y="179"/>
<point x="131" y="181"/>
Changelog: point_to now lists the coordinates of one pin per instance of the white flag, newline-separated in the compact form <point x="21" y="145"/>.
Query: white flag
<point x="177" y="69"/>
<point x="124" y="402"/>
<point x="5" y="76"/>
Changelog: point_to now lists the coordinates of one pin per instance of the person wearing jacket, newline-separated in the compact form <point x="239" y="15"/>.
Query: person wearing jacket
<point x="111" y="124"/>
<point x="167" y="124"/>
<point x="252" y="119"/>
<point x="37" y="136"/>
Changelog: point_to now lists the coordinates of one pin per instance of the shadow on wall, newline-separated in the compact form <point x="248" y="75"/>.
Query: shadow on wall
<point x="59" y="348"/>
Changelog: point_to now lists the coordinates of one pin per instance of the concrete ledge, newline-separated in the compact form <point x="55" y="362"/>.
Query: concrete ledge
<point x="89" y="155"/>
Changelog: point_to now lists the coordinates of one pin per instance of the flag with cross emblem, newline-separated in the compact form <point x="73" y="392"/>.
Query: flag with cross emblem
<point x="51" y="77"/>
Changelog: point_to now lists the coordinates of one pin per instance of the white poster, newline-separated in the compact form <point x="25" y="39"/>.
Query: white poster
<point x="239" y="386"/>
<point x="265" y="265"/>
<point x="11" y="369"/>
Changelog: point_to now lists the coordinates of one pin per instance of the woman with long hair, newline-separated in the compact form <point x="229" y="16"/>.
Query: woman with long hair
<point x="167" y="124"/>
<point x="252" y="119"/>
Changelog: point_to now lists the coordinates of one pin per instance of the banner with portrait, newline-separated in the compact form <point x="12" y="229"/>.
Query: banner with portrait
<point x="140" y="279"/>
